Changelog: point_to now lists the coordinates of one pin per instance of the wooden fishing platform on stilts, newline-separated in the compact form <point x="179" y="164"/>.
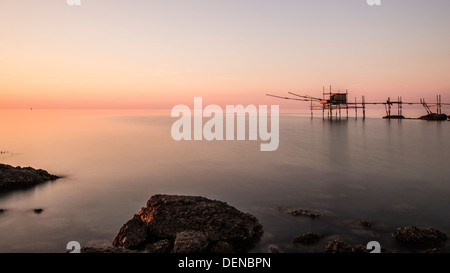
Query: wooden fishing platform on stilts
<point x="333" y="104"/>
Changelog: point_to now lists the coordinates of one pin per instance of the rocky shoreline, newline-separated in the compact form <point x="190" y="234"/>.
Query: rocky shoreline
<point x="186" y="224"/>
<point x="12" y="178"/>
<point x="193" y="224"/>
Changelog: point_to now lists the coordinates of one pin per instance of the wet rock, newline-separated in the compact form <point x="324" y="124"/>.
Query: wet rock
<point x="418" y="237"/>
<point x="365" y="224"/>
<point x="339" y="246"/>
<point x="132" y="235"/>
<point x="100" y="243"/>
<point x="305" y="212"/>
<point x="163" y="246"/>
<point x="394" y="117"/>
<point x="12" y="178"/>
<point x="191" y="224"/>
<point x="434" y="116"/>
<point x="433" y="250"/>
<point x="38" y="211"/>
<point x="190" y="242"/>
<point x="307" y="238"/>
<point x="273" y="249"/>
<point x="221" y="247"/>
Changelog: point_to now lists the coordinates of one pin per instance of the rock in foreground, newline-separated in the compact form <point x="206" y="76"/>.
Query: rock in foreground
<point x="12" y="178"/>
<point x="418" y="237"/>
<point x="189" y="224"/>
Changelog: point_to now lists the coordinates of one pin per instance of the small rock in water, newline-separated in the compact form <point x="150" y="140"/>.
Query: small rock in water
<point x="339" y="246"/>
<point x="17" y="177"/>
<point x="434" y="116"/>
<point x="305" y="212"/>
<point x="190" y="242"/>
<point x="366" y="224"/>
<point x="418" y="237"/>
<point x="307" y="238"/>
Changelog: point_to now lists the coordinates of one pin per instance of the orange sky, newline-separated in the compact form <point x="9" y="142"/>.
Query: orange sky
<point x="156" y="54"/>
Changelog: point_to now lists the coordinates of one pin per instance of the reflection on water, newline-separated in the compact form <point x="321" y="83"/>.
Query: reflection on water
<point x="391" y="173"/>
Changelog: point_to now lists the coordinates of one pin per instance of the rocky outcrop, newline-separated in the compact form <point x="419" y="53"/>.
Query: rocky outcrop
<point x="307" y="238"/>
<point x="417" y="237"/>
<point x="189" y="224"/>
<point x="17" y="177"/>
<point x="132" y="235"/>
<point x="190" y="242"/>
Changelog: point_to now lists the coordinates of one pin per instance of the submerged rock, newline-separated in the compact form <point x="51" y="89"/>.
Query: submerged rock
<point x="418" y="237"/>
<point x="190" y="224"/>
<point x="17" y="177"/>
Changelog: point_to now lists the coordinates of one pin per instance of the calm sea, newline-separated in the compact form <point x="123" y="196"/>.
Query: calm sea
<point x="390" y="173"/>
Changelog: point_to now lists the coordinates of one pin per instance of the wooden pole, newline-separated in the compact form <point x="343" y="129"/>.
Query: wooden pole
<point x="346" y="101"/>
<point x="364" y="107"/>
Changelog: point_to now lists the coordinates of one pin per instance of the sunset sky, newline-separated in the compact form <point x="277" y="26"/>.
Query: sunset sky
<point x="156" y="54"/>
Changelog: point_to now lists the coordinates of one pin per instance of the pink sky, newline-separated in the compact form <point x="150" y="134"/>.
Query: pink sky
<point x="156" y="54"/>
